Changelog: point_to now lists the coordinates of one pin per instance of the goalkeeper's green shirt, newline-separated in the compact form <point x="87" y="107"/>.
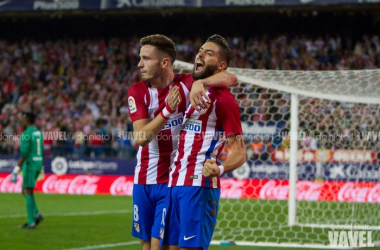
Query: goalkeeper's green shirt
<point x="32" y="148"/>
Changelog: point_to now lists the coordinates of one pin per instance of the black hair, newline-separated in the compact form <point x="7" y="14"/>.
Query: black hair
<point x="226" y="52"/>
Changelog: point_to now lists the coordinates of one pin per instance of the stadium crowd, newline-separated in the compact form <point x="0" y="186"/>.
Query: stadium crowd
<point x="81" y="87"/>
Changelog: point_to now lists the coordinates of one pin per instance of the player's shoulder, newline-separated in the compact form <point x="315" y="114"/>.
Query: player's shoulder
<point x="36" y="132"/>
<point x="222" y="94"/>
<point x="138" y="85"/>
<point x="137" y="88"/>
<point x="224" y="99"/>
<point x="28" y="131"/>
<point x="184" y="77"/>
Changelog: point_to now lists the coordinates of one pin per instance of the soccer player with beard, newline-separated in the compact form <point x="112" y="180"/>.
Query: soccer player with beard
<point x="192" y="201"/>
<point x="156" y="106"/>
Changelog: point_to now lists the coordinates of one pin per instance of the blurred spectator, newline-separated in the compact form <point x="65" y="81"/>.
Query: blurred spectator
<point x="258" y="148"/>
<point x="308" y="142"/>
<point x="267" y="150"/>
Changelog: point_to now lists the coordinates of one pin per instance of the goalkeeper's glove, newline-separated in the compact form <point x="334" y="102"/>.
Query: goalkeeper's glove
<point x="41" y="176"/>
<point x="15" y="173"/>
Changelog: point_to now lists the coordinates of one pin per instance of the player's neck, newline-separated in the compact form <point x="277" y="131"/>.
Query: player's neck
<point x="163" y="80"/>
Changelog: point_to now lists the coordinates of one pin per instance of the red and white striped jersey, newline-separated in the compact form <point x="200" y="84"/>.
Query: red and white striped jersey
<point x="202" y="137"/>
<point x="146" y="102"/>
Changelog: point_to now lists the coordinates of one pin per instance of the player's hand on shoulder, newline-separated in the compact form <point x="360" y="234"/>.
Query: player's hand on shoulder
<point x="210" y="169"/>
<point x="198" y="96"/>
<point x="173" y="98"/>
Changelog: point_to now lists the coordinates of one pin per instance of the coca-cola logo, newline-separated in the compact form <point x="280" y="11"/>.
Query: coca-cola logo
<point x="309" y="191"/>
<point x="305" y="190"/>
<point x="84" y="185"/>
<point x="81" y="184"/>
<point x="232" y="189"/>
<point x="374" y="194"/>
<point x="270" y="191"/>
<point x="122" y="186"/>
<point x="351" y="192"/>
<point x="6" y="186"/>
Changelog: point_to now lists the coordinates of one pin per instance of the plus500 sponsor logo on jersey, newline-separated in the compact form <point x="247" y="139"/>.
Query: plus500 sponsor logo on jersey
<point x="191" y="125"/>
<point x="174" y="121"/>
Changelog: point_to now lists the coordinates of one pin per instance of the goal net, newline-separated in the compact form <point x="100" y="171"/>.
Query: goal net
<point x="312" y="174"/>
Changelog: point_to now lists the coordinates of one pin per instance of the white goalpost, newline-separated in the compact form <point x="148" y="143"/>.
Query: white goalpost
<point x="312" y="176"/>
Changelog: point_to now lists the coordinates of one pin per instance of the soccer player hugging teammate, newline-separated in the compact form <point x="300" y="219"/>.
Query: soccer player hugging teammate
<point x="157" y="106"/>
<point x="192" y="201"/>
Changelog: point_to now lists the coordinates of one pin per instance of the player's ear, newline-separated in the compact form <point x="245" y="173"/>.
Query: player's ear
<point x="222" y="65"/>
<point x="165" y="62"/>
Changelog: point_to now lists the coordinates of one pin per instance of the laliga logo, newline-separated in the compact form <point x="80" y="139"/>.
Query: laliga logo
<point x="242" y="172"/>
<point x="59" y="165"/>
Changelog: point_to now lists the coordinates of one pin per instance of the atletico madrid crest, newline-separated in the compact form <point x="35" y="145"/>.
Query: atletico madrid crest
<point x="204" y="111"/>
<point x="137" y="227"/>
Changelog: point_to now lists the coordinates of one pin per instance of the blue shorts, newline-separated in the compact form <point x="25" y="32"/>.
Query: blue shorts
<point x="191" y="214"/>
<point x="148" y="203"/>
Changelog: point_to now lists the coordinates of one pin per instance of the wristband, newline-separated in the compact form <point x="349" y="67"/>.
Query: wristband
<point x="221" y="170"/>
<point x="165" y="113"/>
<point x="16" y="169"/>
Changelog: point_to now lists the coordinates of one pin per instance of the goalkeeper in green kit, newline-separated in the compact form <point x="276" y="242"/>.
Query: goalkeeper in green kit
<point x="31" y="163"/>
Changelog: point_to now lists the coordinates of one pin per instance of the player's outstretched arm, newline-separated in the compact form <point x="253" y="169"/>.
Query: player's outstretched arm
<point x="222" y="79"/>
<point x="145" y="131"/>
<point x="235" y="160"/>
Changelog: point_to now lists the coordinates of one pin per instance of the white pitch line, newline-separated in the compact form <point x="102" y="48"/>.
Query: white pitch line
<point x="70" y="213"/>
<point x="106" y="245"/>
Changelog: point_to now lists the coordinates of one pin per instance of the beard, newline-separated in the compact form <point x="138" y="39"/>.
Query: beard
<point x="207" y="71"/>
<point x="152" y="74"/>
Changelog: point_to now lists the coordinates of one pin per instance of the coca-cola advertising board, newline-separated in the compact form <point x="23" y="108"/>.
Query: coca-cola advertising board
<point x="306" y="190"/>
<point x="73" y="184"/>
<point x="231" y="188"/>
<point x="81" y="166"/>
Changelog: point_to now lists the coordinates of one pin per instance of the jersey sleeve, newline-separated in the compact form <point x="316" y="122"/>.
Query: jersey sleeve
<point x="228" y="114"/>
<point x="136" y="103"/>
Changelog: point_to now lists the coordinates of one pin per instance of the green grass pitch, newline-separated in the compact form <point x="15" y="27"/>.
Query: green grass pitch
<point x="90" y="222"/>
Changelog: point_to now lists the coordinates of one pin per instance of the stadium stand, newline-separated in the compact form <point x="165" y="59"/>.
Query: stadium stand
<point x="88" y="80"/>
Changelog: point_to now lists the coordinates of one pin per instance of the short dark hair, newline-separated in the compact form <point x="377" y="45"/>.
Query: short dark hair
<point x="30" y="116"/>
<point x="162" y="43"/>
<point x="226" y="52"/>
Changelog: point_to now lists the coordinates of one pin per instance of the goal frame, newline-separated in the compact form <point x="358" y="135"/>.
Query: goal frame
<point x="294" y="110"/>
